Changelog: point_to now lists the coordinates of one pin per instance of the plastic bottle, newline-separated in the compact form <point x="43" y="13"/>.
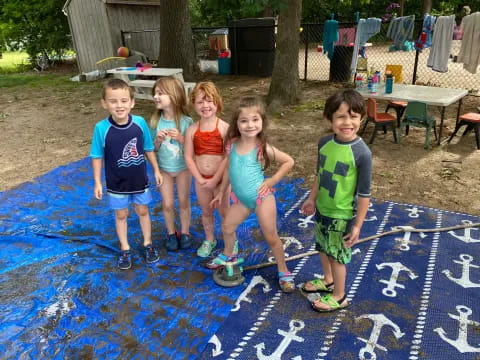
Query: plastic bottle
<point x="374" y="84"/>
<point x="358" y="82"/>
<point x="369" y="83"/>
<point x="388" y="82"/>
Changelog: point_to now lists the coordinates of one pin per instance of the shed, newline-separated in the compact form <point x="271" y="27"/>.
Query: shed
<point x="96" y="27"/>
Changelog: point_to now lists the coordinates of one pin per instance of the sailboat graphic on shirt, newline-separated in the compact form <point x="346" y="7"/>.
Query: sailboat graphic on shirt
<point x="130" y="155"/>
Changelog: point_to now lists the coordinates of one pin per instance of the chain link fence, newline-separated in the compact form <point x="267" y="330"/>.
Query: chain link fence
<point x="314" y="64"/>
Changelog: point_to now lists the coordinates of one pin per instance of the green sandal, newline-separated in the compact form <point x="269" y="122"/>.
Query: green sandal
<point x="319" y="286"/>
<point x="332" y="303"/>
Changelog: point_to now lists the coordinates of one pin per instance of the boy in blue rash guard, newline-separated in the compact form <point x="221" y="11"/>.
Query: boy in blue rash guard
<point x="122" y="141"/>
<point x="340" y="196"/>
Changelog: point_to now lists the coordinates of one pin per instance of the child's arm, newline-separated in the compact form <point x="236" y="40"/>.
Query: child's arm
<point x="97" y="173"/>
<point x="156" y="171"/>
<point x="286" y="163"/>
<point x="362" y="208"/>
<point x="213" y="182"/>
<point x="188" y="155"/>
<point x="308" y="207"/>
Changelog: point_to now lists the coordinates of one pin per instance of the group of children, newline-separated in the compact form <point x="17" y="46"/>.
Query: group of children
<point x="227" y="162"/>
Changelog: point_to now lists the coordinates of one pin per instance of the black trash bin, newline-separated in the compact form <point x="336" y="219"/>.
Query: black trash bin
<point x="252" y="43"/>
<point x="340" y="63"/>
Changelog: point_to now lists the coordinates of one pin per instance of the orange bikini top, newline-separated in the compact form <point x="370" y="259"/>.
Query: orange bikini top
<point x="208" y="142"/>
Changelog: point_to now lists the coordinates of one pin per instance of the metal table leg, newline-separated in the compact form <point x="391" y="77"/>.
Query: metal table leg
<point x="442" y="117"/>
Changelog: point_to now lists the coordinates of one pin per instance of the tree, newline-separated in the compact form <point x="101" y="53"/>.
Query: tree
<point x="176" y="41"/>
<point x="284" y="86"/>
<point x="37" y="26"/>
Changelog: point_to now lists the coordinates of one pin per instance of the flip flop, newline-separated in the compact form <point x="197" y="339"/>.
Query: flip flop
<point x="332" y="303"/>
<point x="319" y="286"/>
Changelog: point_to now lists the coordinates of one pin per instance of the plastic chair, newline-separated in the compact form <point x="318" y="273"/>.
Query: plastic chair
<point x="399" y="106"/>
<point x="416" y="114"/>
<point x="381" y="120"/>
<point x="471" y="120"/>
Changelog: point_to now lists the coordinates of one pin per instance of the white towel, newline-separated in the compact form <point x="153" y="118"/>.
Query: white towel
<point x="441" y="43"/>
<point x="469" y="53"/>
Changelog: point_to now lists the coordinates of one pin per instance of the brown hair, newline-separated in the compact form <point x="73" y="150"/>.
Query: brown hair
<point x="233" y="132"/>
<point x="352" y="98"/>
<point x="209" y="89"/>
<point x="174" y="89"/>
<point x="115" y="84"/>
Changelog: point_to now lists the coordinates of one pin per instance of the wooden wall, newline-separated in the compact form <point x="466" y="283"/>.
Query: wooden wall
<point x="135" y="18"/>
<point x="96" y="30"/>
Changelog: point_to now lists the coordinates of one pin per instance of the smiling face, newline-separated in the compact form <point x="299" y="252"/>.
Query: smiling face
<point x="249" y="122"/>
<point x="162" y="100"/>
<point x="118" y="102"/>
<point x="204" y="106"/>
<point x="345" y="123"/>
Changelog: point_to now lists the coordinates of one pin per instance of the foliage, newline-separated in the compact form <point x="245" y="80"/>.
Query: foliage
<point x="13" y="62"/>
<point x="35" y="26"/>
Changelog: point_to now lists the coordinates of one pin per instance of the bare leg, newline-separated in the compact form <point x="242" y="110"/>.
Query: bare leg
<point x="236" y="214"/>
<point x="145" y="223"/>
<point x="168" y="202"/>
<point x="121" y="228"/>
<point x="184" y="182"/>
<point x="267" y="217"/>
<point x="204" y="197"/>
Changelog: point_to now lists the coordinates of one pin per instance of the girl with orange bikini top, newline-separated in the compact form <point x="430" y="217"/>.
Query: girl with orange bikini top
<point x="205" y="156"/>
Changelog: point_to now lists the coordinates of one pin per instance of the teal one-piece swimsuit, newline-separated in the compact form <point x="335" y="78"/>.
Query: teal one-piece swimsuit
<point x="246" y="176"/>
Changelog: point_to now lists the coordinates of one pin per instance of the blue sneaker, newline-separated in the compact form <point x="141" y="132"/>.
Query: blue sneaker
<point x="172" y="242"/>
<point x="185" y="241"/>
<point x="125" y="260"/>
<point x="151" y="254"/>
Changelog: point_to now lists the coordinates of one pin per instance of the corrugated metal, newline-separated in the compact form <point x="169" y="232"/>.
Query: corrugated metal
<point x="133" y="2"/>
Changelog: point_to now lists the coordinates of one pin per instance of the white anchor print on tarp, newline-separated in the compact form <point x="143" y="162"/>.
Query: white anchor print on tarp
<point x="379" y="321"/>
<point x="466" y="237"/>
<point x="392" y="282"/>
<point x="287" y="242"/>
<point x="464" y="281"/>
<point x="257" y="279"/>
<point x="288" y="337"/>
<point x="217" y="346"/>
<point x="461" y="342"/>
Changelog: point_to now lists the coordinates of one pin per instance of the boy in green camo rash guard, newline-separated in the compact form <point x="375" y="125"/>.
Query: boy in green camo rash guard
<point x="339" y="198"/>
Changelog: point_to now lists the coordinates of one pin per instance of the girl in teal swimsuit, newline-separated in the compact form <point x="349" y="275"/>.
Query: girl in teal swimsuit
<point x="248" y="156"/>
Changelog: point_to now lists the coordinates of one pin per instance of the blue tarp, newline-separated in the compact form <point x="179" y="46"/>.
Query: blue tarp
<point x="63" y="297"/>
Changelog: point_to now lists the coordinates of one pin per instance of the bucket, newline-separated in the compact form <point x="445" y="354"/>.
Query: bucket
<point x="224" y="66"/>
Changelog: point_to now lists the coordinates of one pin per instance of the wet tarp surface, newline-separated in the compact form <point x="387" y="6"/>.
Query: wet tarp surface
<point x="62" y="296"/>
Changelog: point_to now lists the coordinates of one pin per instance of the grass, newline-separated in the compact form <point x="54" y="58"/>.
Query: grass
<point x="13" y="62"/>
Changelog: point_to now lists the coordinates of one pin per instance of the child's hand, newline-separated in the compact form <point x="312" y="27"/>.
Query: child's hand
<point x="352" y="238"/>
<point x="175" y="135"/>
<point x="266" y="187"/>
<point x="161" y="135"/>
<point x="98" y="191"/>
<point x="217" y="201"/>
<point x="308" y="207"/>
<point x="158" y="178"/>
<point x="209" y="183"/>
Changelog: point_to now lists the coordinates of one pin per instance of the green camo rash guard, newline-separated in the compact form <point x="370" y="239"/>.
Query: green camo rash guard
<point x="344" y="171"/>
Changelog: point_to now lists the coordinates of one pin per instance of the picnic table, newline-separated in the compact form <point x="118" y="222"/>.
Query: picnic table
<point x="436" y="96"/>
<point x="142" y="79"/>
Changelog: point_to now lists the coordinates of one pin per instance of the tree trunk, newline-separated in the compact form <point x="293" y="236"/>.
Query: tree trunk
<point x="176" y="41"/>
<point x="427" y="6"/>
<point x="285" y="87"/>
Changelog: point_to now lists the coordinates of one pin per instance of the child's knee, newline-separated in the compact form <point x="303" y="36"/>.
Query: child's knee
<point x="168" y="206"/>
<point x="184" y="203"/>
<point x="141" y="210"/>
<point x="228" y="228"/>
<point x="121" y="214"/>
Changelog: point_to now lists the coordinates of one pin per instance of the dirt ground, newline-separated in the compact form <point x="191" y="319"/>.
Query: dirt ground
<point x="52" y="126"/>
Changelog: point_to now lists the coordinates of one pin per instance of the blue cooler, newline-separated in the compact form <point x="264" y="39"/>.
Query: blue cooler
<point x="224" y="66"/>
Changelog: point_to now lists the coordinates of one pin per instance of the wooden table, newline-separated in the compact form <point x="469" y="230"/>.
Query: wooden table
<point x="142" y="88"/>
<point x="430" y="95"/>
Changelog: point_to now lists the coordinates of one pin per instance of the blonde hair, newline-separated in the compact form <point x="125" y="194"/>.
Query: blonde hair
<point x="209" y="89"/>
<point x="174" y="89"/>
<point x="233" y="132"/>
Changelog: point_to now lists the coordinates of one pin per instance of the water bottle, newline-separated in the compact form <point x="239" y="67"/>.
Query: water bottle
<point x="358" y="82"/>
<point x="369" y="84"/>
<point x="388" y="83"/>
